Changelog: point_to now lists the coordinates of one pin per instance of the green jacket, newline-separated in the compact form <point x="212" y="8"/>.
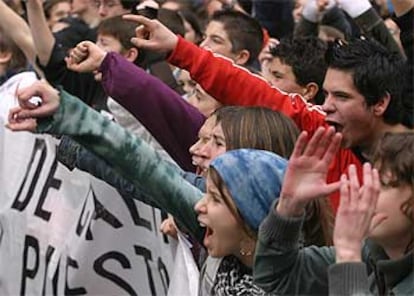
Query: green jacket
<point x="281" y="267"/>
<point x="131" y="157"/>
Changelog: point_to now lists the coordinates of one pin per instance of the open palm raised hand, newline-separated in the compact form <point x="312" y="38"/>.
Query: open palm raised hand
<point x="307" y="171"/>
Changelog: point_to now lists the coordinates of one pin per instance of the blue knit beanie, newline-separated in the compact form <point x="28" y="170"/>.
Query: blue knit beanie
<point x="254" y="179"/>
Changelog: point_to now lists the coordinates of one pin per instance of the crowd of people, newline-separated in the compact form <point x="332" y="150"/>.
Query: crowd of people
<point x="277" y="135"/>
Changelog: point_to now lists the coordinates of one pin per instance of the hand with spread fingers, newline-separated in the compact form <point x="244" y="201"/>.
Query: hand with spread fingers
<point x="23" y="117"/>
<point x="356" y="213"/>
<point x="152" y="35"/>
<point x="85" y="57"/>
<point x="306" y="174"/>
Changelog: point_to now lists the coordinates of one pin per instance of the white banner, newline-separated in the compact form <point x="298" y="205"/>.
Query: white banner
<point x="185" y="278"/>
<point x="67" y="233"/>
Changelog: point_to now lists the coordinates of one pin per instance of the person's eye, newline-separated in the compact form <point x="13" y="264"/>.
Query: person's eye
<point x="341" y="95"/>
<point x="277" y="75"/>
<point x="215" y="198"/>
<point x="217" y="40"/>
<point x="219" y="144"/>
<point x="205" y="140"/>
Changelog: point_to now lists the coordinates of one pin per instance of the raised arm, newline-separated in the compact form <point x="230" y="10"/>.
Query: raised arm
<point x="312" y="13"/>
<point x="370" y="23"/>
<point x="51" y="58"/>
<point x="73" y="155"/>
<point x="226" y="82"/>
<point x="131" y="157"/>
<point x="21" y="33"/>
<point x="169" y="118"/>
<point x="404" y="10"/>
<point x="280" y="266"/>
<point x="356" y="216"/>
<point x="42" y="36"/>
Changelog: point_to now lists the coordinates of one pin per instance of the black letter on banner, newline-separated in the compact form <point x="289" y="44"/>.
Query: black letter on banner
<point x="74" y="291"/>
<point x="135" y="214"/>
<point x="32" y="242"/>
<point x="99" y="213"/>
<point x="141" y="251"/>
<point x="50" y="183"/>
<point x="49" y="253"/>
<point x="39" y="145"/>
<point x="165" y="279"/>
<point x="80" y="226"/>
<point x="99" y="269"/>
<point x="104" y="214"/>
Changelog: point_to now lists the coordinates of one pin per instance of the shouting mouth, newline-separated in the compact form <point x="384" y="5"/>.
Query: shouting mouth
<point x="207" y="234"/>
<point x="338" y="127"/>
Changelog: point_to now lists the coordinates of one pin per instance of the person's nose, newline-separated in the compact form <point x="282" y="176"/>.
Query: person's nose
<point x="195" y="147"/>
<point x="205" y="44"/>
<point x="102" y="10"/>
<point x="205" y="149"/>
<point x="328" y="105"/>
<point x="200" y="206"/>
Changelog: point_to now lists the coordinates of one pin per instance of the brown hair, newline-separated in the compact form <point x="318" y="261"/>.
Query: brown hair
<point x="18" y="61"/>
<point x="49" y="4"/>
<point x="257" y="128"/>
<point x="119" y="29"/>
<point x="395" y="154"/>
<point x="265" y="129"/>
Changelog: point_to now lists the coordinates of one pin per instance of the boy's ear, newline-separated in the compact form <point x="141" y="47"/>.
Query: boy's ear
<point x="310" y="91"/>
<point x="242" y="57"/>
<point x="382" y="105"/>
<point x="131" y="54"/>
<point x="5" y="57"/>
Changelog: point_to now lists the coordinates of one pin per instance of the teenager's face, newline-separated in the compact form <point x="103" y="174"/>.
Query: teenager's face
<point x="80" y="6"/>
<point x="109" y="44"/>
<point x="205" y="103"/>
<point x="223" y="232"/>
<point x="110" y="8"/>
<point x="210" y="145"/>
<point x="347" y="111"/>
<point x="59" y="11"/>
<point x="185" y="81"/>
<point x="281" y="76"/>
<point x="217" y="40"/>
<point x="397" y="227"/>
<point x="297" y="11"/>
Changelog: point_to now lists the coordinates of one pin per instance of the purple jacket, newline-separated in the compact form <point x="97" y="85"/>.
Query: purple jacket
<point x="166" y="115"/>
